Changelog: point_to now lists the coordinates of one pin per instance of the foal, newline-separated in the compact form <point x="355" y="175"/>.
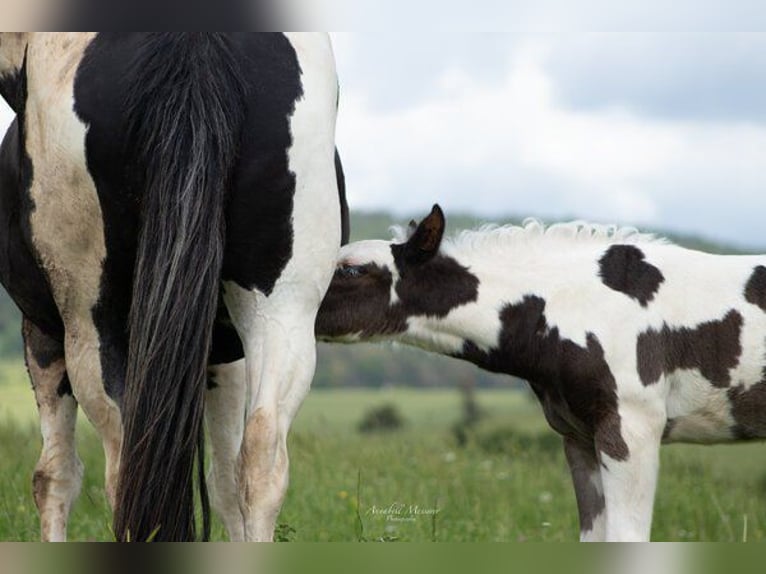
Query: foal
<point x="626" y="340"/>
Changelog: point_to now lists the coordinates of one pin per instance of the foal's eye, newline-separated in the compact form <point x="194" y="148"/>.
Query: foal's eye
<point x="350" y="271"/>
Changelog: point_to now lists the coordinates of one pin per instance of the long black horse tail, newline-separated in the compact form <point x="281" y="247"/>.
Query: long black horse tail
<point x="186" y="111"/>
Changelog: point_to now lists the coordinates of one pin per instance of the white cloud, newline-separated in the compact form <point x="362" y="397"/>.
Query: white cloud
<point x="549" y="15"/>
<point x="513" y="147"/>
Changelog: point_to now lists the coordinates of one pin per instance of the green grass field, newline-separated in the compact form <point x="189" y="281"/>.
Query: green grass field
<point x="509" y="483"/>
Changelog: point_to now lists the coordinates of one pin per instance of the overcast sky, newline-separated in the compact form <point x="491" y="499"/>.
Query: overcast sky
<point x="660" y="130"/>
<point x="664" y="130"/>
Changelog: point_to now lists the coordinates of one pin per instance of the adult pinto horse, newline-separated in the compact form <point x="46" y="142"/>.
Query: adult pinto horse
<point x="162" y="194"/>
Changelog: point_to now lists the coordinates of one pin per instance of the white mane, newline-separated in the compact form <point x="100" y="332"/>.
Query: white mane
<point x="534" y="232"/>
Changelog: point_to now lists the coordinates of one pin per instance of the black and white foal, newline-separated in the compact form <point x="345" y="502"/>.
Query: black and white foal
<point x="146" y="171"/>
<point x="626" y="340"/>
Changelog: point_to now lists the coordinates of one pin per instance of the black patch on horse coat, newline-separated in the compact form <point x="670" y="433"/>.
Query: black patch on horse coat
<point x="755" y="290"/>
<point x="227" y="346"/>
<point x="20" y="272"/>
<point x="43" y="349"/>
<point x="712" y="347"/>
<point x="624" y="269"/>
<point x="65" y="387"/>
<point x="574" y="384"/>
<point x="99" y="89"/>
<point x="259" y="230"/>
<point x="748" y="408"/>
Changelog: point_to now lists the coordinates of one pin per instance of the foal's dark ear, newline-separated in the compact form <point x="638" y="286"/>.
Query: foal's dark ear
<point x="425" y="240"/>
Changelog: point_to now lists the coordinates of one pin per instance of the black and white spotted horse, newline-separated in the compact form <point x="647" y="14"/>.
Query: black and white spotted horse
<point x="161" y="193"/>
<point x="626" y="340"/>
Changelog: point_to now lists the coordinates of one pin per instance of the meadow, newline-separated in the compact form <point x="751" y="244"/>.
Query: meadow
<point x="508" y="482"/>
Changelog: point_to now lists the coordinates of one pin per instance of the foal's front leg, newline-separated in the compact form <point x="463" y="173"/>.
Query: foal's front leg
<point x="58" y="474"/>
<point x="586" y="478"/>
<point x="629" y="470"/>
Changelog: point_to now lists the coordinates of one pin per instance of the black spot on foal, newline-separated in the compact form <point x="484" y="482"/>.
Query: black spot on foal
<point x="574" y="384"/>
<point x="747" y="408"/>
<point x="712" y="347"/>
<point x="624" y="269"/>
<point x="755" y="290"/>
<point x="359" y="299"/>
<point x="434" y="288"/>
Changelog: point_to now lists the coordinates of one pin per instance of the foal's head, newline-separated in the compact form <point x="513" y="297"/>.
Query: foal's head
<point x="379" y="285"/>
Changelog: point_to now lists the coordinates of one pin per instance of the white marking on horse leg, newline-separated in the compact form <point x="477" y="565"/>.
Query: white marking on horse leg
<point x="586" y="478"/>
<point x="225" y="416"/>
<point x="280" y="356"/>
<point x="284" y="381"/>
<point x="84" y="367"/>
<point x="629" y="485"/>
<point x="58" y="474"/>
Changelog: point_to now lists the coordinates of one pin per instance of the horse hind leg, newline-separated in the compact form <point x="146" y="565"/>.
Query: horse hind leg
<point x="84" y="365"/>
<point x="264" y="461"/>
<point x="225" y="417"/>
<point x="280" y="357"/>
<point x="58" y="475"/>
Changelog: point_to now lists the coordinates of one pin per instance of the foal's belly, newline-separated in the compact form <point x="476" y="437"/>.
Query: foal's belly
<point x="698" y="412"/>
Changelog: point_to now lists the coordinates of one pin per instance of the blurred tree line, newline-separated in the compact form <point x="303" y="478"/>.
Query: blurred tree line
<point x="368" y="365"/>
